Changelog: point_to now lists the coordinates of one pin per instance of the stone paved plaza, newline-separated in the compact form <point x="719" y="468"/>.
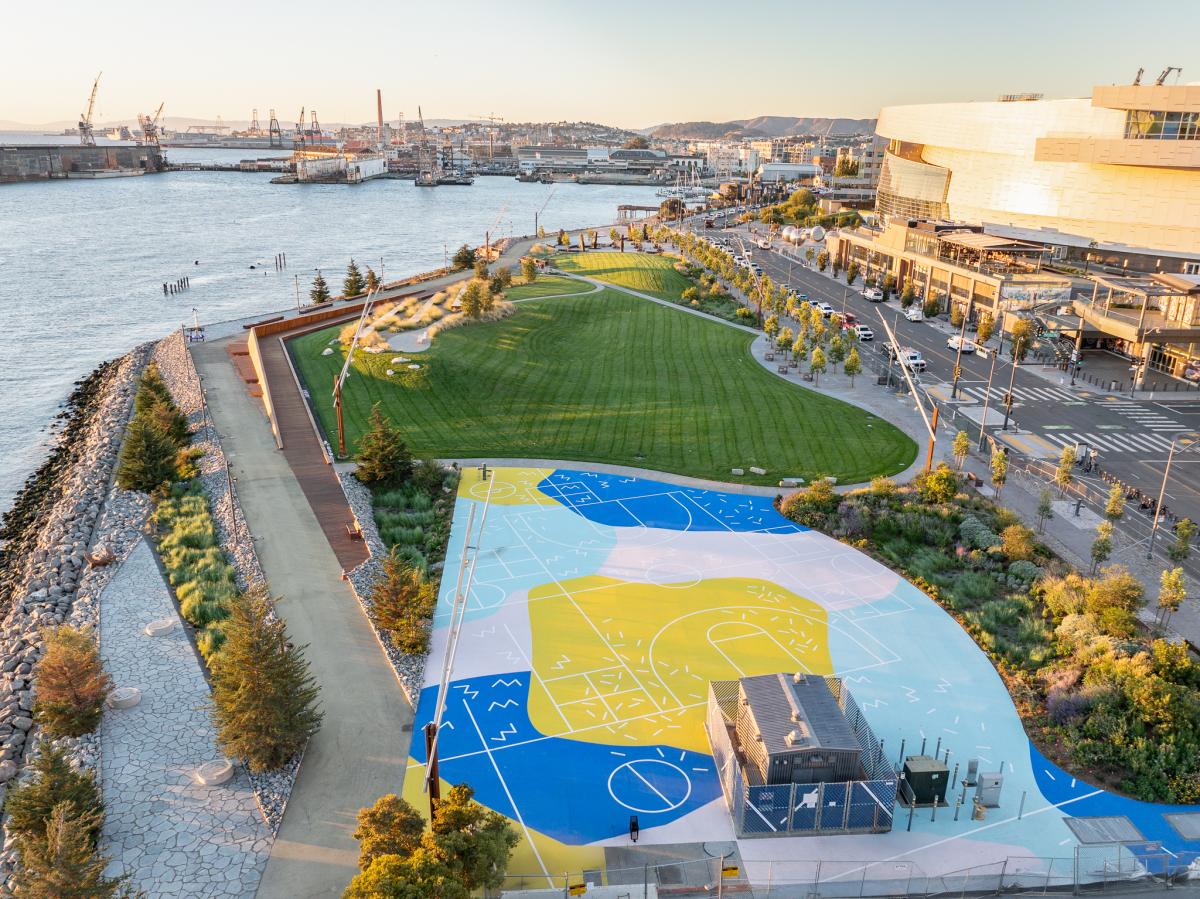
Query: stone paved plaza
<point x="173" y="836"/>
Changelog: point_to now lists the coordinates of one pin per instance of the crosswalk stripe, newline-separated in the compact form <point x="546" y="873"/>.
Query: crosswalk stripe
<point x="1112" y="442"/>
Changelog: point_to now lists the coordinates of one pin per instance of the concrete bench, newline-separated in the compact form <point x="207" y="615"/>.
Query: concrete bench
<point x="212" y="774"/>
<point x="124" y="698"/>
<point x="159" y="627"/>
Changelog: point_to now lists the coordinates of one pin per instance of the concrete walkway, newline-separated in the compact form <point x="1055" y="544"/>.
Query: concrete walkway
<point x="171" y="835"/>
<point x="360" y="752"/>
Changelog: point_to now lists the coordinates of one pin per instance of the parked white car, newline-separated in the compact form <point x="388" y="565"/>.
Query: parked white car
<point x="862" y="332"/>
<point x="912" y="360"/>
<point x="874" y="294"/>
<point x="968" y="346"/>
<point x="914" y="314"/>
<point x="825" y="309"/>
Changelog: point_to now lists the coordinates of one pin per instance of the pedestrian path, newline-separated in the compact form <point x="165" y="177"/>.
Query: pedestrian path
<point x="170" y="834"/>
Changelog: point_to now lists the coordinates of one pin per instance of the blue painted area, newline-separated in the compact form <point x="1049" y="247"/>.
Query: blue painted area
<point x="634" y="502"/>
<point x="573" y="791"/>
<point x="1058" y="786"/>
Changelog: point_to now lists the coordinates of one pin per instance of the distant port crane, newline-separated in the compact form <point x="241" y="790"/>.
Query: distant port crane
<point x="149" y="125"/>
<point x="86" y="138"/>
<point x="276" y="131"/>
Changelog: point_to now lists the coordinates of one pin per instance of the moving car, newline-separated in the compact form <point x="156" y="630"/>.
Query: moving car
<point x="862" y="332"/>
<point x="825" y="309"/>
<point x="914" y="314"/>
<point x="874" y="294"/>
<point x="968" y="346"/>
<point x="912" y="360"/>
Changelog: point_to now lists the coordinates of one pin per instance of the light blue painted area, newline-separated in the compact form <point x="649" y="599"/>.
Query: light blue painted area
<point x="524" y="547"/>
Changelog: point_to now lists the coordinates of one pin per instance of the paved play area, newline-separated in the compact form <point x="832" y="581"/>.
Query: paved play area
<point x="601" y="608"/>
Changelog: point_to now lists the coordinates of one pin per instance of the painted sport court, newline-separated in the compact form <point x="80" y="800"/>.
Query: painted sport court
<point x="601" y="608"/>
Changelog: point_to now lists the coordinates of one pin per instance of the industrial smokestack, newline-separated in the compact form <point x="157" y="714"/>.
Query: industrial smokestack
<point x="379" y="114"/>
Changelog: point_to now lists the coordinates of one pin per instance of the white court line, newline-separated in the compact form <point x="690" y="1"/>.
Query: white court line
<point x="533" y="671"/>
<point x="516" y="811"/>
<point x="667" y="802"/>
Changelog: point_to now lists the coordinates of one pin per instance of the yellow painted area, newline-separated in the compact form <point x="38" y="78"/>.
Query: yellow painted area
<point x="511" y="487"/>
<point x="554" y="856"/>
<point x="618" y="662"/>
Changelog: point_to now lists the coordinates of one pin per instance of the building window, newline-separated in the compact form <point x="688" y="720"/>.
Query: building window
<point x="1191" y="268"/>
<point x="1149" y="125"/>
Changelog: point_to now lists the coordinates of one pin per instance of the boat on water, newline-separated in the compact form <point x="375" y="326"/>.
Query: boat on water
<point x="684" y="190"/>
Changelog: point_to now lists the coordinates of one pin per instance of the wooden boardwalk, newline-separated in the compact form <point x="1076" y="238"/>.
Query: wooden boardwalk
<point x="303" y="452"/>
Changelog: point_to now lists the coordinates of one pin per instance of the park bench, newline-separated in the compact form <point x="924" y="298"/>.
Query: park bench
<point x="783" y="369"/>
<point x="354" y="532"/>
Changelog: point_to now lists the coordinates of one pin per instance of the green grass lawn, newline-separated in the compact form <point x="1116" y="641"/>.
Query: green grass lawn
<point x="607" y="378"/>
<point x="644" y="272"/>
<point x="544" y="286"/>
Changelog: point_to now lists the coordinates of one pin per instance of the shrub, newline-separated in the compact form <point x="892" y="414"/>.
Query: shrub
<point x="1024" y="572"/>
<point x="71" y="683"/>
<point x="1016" y="541"/>
<point x="147" y="459"/>
<point x="939" y="485"/>
<point x="263" y="698"/>
<point x="976" y="534"/>
<point x="30" y="803"/>
<point x="883" y="488"/>
<point x="811" y="506"/>
<point x="402" y="603"/>
<point x="973" y="587"/>
<point x="389" y="827"/>
<point x="429" y="476"/>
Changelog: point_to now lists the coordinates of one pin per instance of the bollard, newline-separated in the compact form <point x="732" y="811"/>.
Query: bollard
<point x="938" y="750"/>
<point x="911" y="809"/>
<point x="923" y="745"/>
<point x="933" y="814"/>
<point x="957" y="806"/>
<point x="946" y="760"/>
<point x="901" y="762"/>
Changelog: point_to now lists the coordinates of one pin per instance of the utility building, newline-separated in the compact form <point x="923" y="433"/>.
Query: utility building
<point x="792" y="730"/>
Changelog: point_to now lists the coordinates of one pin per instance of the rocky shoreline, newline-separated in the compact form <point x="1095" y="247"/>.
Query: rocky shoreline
<point x="66" y="510"/>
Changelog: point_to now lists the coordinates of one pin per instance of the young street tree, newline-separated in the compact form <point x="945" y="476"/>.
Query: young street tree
<point x="264" y="699"/>
<point x="908" y="296"/>
<point x="383" y="457"/>
<point x="1115" y="507"/>
<point x="999" y="464"/>
<point x="1045" y="509"/>
<point x="372" y="279"/>
<point x="320" y="290"/>
<point x="960" y="447"/>
<point x="1171" y="594"/>
<point x="529" y="269"/>
<point x="987" y="325"/>
<point x="1065" y="473"/>
<point x="71" y="683"/>
<point x="816" y="364"/>
<point x="464" y="257"/>
<point x="1022" y="336"/>
<point x="1181" y="548"/>
<point x="473" y="299"/>
<point x="402" y="603"/>
<point x="853" y="365"/>
<point x="852" y="273"/>
<point x="1102" y="545"/>
<point x="353" y="284"/>
<point x="822" y="260"/>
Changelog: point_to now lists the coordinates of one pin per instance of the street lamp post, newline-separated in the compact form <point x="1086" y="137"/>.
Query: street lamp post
<point x="1162" y="490"/>
<point x="1008" y="397"/>
<point x="987" y="399"/>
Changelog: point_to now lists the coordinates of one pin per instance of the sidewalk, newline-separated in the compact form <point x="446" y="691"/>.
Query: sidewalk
<point x="359" y="753"/>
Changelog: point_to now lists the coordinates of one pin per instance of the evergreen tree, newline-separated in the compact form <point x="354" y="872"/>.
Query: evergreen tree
<point x="166" y="417"/>
<point x="147" y="458"/>
<point x="402" y="603"/>
<point x="320" y="290"/>
<point x="481" y="269"/>
<point x="383" y="458"/>
<point x="31" y="802"/>
<point x="66" y="864"/>
<point x="353" y="284"/>
<point x="71" y="683"/>
<point x="389" y="827"/>
<point x="151" y="389"/>
<point x="529" y="269"/>
<point x="264" y="700"/>
<point x="372" y="279"/>
<point x="472" y="300"/>
<point x="464" y="257"/>
<point x="423" y="875"/>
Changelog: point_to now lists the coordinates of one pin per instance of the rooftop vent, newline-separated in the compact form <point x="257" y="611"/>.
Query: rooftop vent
<point x="1020" y="98"/>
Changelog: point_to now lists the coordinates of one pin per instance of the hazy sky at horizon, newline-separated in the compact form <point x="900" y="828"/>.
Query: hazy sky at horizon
<point x="614" y="61"/>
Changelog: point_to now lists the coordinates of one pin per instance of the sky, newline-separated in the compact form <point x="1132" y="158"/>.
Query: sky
<point x="633" y="63"/>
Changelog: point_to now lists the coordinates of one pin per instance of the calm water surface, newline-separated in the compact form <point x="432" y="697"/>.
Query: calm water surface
<point x="82" y="263"/>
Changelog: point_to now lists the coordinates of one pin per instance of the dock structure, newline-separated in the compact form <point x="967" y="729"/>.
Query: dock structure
<point x="43" y="162"/>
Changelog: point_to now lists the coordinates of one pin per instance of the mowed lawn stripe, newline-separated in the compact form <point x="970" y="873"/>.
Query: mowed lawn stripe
<point x="606" y="377"/>
<point x="652" y="274"/>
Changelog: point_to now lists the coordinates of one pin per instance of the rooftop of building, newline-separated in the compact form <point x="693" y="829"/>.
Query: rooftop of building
<point x="802" y="705"/>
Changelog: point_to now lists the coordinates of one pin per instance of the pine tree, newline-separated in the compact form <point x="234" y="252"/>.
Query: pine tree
<point x="166" y="417"/>
<point x="383" y="458"/>
<point x="372" y="279"/>
<point x="320" y="290"/>
<point x="402" y="603"/>
<point x="66" y="864"/>
<point x="353" y="284"/>
<point x="30" y="803"/>
<point x="147" y="458"/>
<point x="264" y="700"/>
<point x="464" y="257"/>
<point x="529" y="269"/>
<point x="151" y="389"/>
<point x="71" y="683"/>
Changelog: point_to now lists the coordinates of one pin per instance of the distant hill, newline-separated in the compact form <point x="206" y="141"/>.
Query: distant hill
<point x="763" y="127"/>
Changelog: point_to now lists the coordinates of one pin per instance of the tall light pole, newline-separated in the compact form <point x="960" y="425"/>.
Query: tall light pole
<point x="1186" y="444"/>
<point x="1008" y="397"/>
<point x="987" y="399"/>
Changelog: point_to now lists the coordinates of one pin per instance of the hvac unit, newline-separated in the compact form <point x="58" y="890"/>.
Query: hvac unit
<point x="927" y="778"/>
